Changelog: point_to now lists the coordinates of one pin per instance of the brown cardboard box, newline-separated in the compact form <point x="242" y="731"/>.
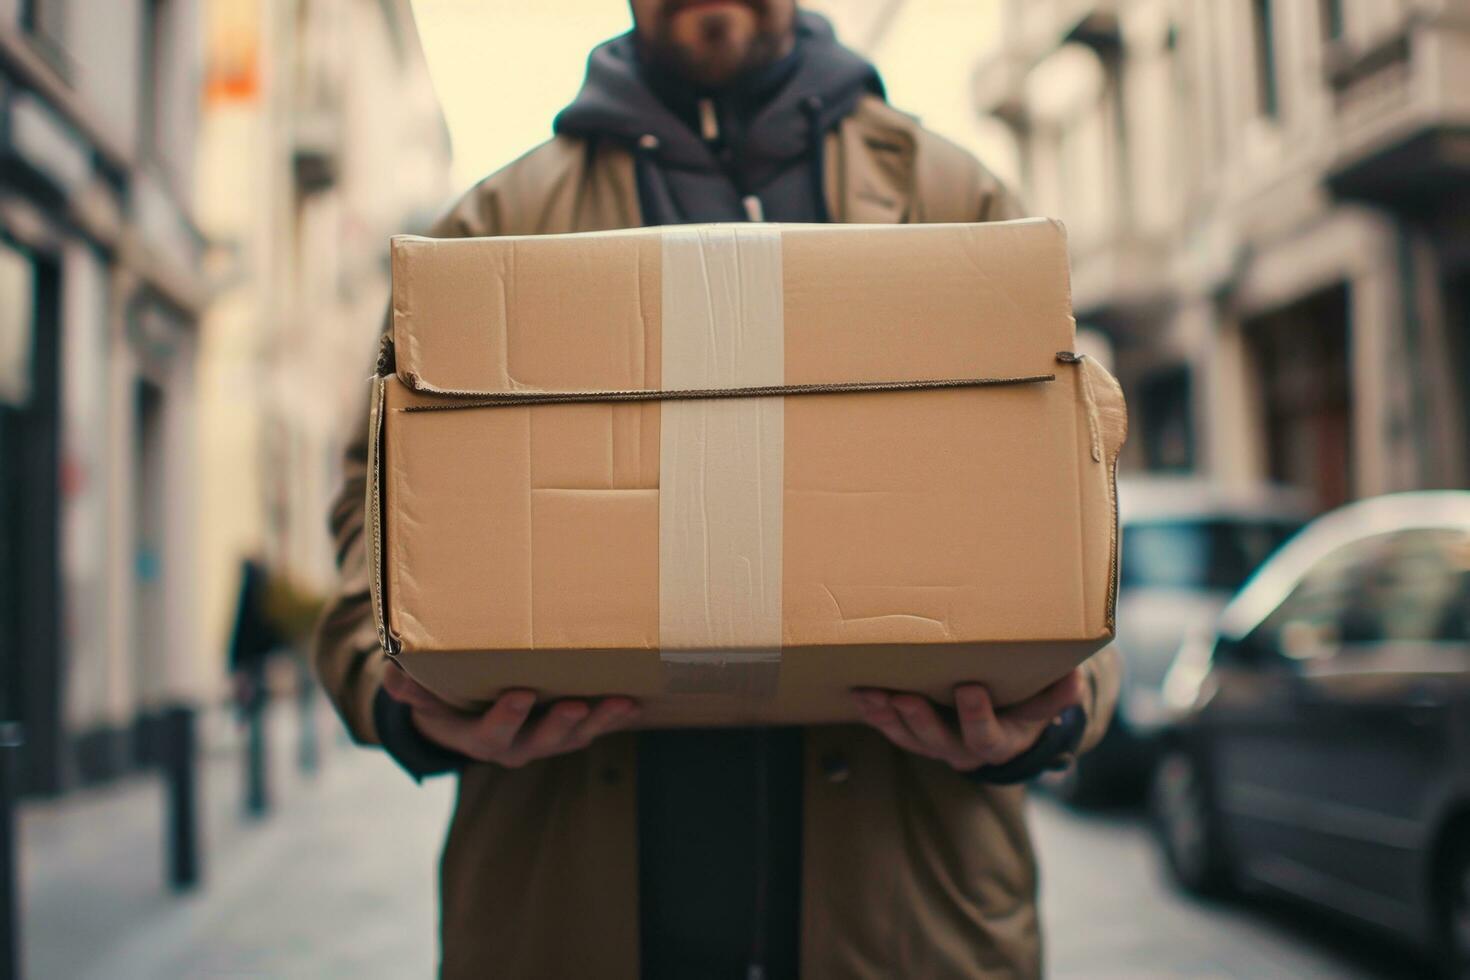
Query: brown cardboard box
<point x="585" y="485"/>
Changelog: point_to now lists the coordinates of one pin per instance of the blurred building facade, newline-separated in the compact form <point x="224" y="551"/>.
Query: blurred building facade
<point x="195" y="202"/>
<point x="101" y="294"/>
<point x="321" y="137"/>
<point x="1267" y="211"/>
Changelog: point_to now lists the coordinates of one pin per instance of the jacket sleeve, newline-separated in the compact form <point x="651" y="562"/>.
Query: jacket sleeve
<point x="997" y="201"/>
<point x="1076" y="730"/>
<point x="951" y="185"/>
<point x="1102" y="675"/>
<point x="345" y="652"/>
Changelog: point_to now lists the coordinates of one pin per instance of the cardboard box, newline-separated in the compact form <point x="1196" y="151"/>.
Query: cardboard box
<point x="735" y="471"/>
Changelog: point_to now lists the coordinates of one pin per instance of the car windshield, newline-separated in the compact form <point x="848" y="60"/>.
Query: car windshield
<point x="1199" y="553"/>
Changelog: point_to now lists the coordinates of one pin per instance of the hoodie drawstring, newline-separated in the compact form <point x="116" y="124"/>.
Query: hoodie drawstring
<point x="709" y="121"/>
<point x="652" y="181"/>
<point x="654" y="184"/>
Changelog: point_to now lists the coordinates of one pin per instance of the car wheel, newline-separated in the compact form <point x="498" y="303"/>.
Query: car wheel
<point x="1185" y="825"/>
<point x="1454" y="912"/>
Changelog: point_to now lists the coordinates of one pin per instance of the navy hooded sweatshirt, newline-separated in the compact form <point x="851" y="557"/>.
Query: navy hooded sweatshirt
<point x="750" y="150"/>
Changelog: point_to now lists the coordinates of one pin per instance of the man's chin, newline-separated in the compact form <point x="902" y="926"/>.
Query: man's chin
<point x="714" y="70"/>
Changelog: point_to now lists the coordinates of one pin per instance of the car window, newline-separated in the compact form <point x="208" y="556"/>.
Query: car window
<point x="1416" y="590"/>
<point x="1309" y="622"/>
<point x="1210" y="553"/>
<point x="1403" y="586"/>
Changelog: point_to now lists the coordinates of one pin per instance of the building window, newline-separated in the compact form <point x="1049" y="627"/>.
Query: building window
<point x="1332" y="20"/>
<point x="31" y="618"/>
<point x="1166" y="411"/>
<point x="155" y="52"/>
<point x="1268" y="97"/>
<point x="1300" y="354"/>
<point x="44" y="17"/>
<point x="45" y="22"/>
<point x="1458" y="344"/>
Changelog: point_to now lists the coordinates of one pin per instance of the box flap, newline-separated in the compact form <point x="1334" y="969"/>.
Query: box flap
<point x="580" y="313"/>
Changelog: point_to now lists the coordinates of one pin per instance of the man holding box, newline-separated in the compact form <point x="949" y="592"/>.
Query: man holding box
<point x="581" y="849"/>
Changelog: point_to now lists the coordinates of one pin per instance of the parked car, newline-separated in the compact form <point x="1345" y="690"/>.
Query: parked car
<point x="1323" y="750"/>
<point x="1187" y="545"/>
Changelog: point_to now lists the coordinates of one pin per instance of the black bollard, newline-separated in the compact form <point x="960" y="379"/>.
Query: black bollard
<point x="10" y="742"/>
<point x="257" y="749"/>
<point x="308" y="748"/>
<point x="257" y="791"/>
<point x="179" y="758"/>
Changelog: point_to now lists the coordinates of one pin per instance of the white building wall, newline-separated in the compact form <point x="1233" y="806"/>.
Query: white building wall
<point x="287" y="346"/>
<point x="180" y="77"/>
<point x="1154" y="168"/>
<point x="1236" y="203"/>
<point x="86" y="458"/>
<point x="186" y="657"/>
<point x="123" y="684"/>
<point x="118" y="224"/>
<point x="105" y="43"/>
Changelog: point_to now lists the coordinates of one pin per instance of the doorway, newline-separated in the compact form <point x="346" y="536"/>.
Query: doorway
<point x="149" y="517"/>
<point x="30" y="528"/>
<point x="1300" y="352"/>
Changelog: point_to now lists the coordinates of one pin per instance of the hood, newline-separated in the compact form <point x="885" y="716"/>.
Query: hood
<point x="618" y="102"/>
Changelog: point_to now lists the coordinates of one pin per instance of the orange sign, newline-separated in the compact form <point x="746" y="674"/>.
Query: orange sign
<point x="232" y="67"/>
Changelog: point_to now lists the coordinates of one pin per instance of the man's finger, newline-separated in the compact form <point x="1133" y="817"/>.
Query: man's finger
<point x="1050" y="702"/>
<point x="550" y="735"/>
<point x="438" y="709"/>
<point x="610" y="715"/>
<point x="453" y="731"/>
<point x="921" y="719"/>
<point x="497" y="728"/>
<point x="878" y="711"/>
<point x="406" y="690"/>
<point x="979" y="728"/>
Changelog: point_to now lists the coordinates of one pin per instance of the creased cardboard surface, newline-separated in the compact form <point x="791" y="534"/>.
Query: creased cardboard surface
<point x="924" y="537"/>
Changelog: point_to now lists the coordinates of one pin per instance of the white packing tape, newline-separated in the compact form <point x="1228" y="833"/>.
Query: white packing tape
<point x="721" y="461"/>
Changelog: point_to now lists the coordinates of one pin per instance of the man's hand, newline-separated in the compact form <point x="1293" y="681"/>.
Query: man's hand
<point x="984" y="736"/>
<point x="500" y="734"/>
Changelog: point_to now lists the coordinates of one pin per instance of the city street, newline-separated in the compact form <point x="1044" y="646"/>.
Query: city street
<point x="1142" y="323"/>
<point x="1111" y="914"/>
<point x="339" y="882"/>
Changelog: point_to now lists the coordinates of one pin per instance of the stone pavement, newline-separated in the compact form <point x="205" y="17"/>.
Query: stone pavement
<point x="1110" y="914"/>
<point x="339" y="882"/>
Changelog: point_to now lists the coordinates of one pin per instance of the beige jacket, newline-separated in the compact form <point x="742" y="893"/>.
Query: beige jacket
<point x="909" y="869"/>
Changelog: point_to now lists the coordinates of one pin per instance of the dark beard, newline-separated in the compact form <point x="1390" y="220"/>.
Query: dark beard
<point x="664" y="54"/>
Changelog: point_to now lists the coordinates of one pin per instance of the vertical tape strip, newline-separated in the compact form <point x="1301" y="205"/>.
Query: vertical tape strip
<point x="721" y="461"/>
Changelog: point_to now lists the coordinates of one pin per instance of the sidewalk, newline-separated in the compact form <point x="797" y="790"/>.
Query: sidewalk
<point x="337" y="881"/>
